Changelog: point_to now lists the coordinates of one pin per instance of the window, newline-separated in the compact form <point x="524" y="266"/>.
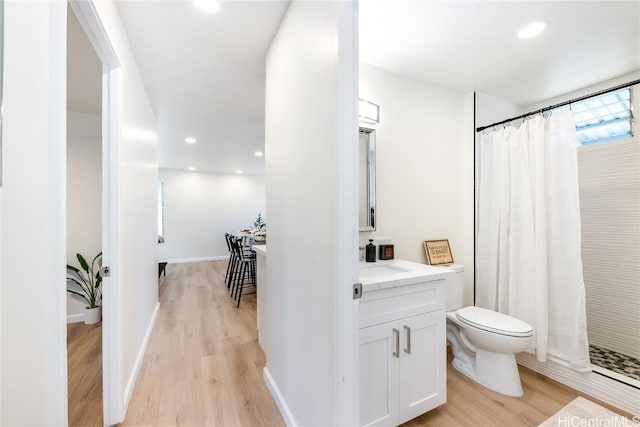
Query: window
<point x="603" y="118"/>
<point x="160" y="209"/>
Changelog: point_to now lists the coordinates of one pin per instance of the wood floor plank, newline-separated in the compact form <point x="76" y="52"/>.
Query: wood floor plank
<point x="203" y="364"/>
<point x="470" y="404"/>
<point x="84" y="374"/>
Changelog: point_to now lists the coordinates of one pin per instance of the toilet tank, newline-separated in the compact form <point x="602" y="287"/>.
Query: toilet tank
<point x="455" y="287"/>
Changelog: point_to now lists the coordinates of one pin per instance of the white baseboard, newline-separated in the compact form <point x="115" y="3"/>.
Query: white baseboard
<point x="139" y="358"/>
<point x="75" y="318"/>
<point x="279" y="398"/>
<point x="606" y="389"/>
<point x="208" y="258"/>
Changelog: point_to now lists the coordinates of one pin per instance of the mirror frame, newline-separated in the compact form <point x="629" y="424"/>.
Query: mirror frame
<point x="371" y="179"/>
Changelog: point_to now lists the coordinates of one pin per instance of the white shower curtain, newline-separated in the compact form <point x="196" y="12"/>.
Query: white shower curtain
<point x="528" y="244"/>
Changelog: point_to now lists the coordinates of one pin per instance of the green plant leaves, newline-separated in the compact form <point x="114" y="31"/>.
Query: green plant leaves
<point x="84" y="297"/>
<point x="259" y="221"/>
<point x="88" y="280"/>
<point x="83" y="262"/>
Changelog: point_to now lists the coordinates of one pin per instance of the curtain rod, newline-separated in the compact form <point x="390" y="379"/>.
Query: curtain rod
<point x="561" y="104"/>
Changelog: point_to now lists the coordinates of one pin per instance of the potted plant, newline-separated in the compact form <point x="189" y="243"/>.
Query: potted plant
<point x="259" y="222"/>
<point x="260" y="232"/>
<point x="85" y="284"/>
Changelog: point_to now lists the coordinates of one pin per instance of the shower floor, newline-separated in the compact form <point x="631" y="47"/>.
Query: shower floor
<point x="616" y="362"/>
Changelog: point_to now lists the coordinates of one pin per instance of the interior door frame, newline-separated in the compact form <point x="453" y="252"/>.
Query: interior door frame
<point x="347" y="393"/>
<point x="112" y="377"/>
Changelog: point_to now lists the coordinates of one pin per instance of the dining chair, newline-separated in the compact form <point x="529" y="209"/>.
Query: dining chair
<point x="231" y="265"/>
<point x="245" y="274"/>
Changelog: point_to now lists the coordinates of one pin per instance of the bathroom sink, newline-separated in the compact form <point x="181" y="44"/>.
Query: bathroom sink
<point x="393" y="273"/>
<point x="381" y="270"/>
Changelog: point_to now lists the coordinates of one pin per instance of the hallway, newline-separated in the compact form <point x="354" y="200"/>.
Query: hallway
<point x="203" y="365"/>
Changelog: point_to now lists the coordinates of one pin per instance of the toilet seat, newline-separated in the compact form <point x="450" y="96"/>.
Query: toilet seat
<point x="491" y="321"/>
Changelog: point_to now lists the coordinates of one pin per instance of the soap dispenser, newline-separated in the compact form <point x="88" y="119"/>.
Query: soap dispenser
<point x="371" y="251"/>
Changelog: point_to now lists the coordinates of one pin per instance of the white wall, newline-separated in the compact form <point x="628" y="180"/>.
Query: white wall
<point x="84" y="195"/>
<point x="33" y="212"/>
<point x="33" y="227"/>
<point x="609" y="177"/>
<point x="424" y="167"/>
<point x="200" y="207"/>
<point x="490" y="110"/>
<point x="136" y="267"/>
<point x="587" y="90"/>
<point x="311" y="185"/>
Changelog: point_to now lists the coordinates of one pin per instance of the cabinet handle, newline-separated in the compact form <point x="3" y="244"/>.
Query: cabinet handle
<point x="408" y="347"/>
<point x="396" y="353"/>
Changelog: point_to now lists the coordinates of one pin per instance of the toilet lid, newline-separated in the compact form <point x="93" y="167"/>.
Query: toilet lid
<point x="495" y="322"/>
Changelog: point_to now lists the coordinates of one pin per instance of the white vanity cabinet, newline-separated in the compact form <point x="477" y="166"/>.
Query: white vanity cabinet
<point x="402" y="352"/>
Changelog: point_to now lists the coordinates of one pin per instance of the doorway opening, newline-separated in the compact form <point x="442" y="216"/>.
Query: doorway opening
<point x="84" y="227"/>
<point x="93" y="217"/>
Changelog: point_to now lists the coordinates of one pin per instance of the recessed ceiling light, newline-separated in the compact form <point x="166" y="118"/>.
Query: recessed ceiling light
<point x="258" y="154"/>
<point x="239" y="172"/>
<point x="192" y="168"/>
<point x="190" y="140"/>
<point x="210" y="6"/>
<point x="532" y="29"/>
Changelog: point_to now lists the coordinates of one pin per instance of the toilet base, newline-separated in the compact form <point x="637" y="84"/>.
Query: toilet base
<point x="504" y="380"/>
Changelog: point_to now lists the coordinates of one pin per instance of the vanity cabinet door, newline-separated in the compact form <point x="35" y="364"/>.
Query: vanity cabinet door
<point x="423" y="364"/>
<point x="380" y="351"/>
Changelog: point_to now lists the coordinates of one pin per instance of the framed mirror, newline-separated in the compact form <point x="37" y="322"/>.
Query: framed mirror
<point x="367" y="178"/>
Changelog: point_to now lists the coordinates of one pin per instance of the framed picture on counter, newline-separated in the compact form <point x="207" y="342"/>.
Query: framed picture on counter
<point x="438" y="252"/>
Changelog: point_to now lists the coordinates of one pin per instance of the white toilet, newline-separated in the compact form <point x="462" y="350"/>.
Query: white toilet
<point x="484" y="342"/>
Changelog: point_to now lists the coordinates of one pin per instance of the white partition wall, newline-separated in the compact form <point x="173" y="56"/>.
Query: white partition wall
<point x="32" y="302"/>
<point x="311" y="183"/>
<point x="33" y="215"/>
<point x="134" y="198"/>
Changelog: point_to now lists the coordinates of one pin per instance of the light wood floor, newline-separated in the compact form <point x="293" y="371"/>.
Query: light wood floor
<point x="84" y="367"/>
<point x="203" y="364"/>
<point x="204" y="367"/>
<point x="470" y="404"/>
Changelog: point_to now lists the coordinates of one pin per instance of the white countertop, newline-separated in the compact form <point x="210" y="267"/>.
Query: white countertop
<point x="260" y="249"/>
<point x="388" y="274"/>
<point x="393" y="273"/>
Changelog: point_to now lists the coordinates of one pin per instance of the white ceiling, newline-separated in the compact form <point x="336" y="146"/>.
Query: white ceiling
<point x="472" y="45"/>
<point x="205" y="72"/>
<point x="205" y="77"/>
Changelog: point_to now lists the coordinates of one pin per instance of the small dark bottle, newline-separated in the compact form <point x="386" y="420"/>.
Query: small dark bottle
<point x="370" y="252"/>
